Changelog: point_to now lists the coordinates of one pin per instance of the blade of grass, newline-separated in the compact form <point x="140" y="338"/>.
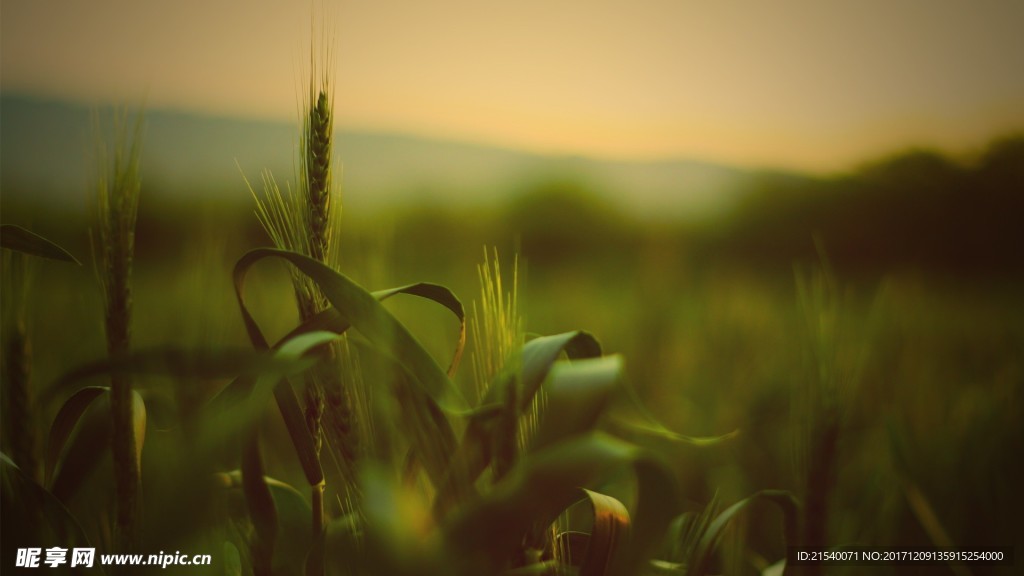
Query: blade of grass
<point x="609" y="536"/>
<point x="709" y="542"/>
<point x="929" y="520"/>
<point x="18" y="402"/>
<point x="33" y="517"/>
<point x="260" y="503"/>
<point x="19" y="239"/>
<point x="64" y="423"/>
<point x="633" y="416"/>
<point x="82" y="447"/>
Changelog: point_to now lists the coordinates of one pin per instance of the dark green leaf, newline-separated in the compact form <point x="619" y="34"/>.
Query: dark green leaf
<point x="577" y="394"/>
<point x="609" y="536"/>
<point x="34" y="518"/>
<point x="366" y="314"/>
<point x="531" y="367"/>
<point x="333" y="321"/>
<point x="65" y="421"/>
<point x="709" y="542"/>
<point x="294" y="537"/>
<point x="21" y="240"/>
<point x="81" y="438"/>
<point x="263" y="509"/>
<point x="545" y="484"/>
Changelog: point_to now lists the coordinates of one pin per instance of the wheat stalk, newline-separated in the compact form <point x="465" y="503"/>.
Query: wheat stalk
<point x="497" y="329"/>
<point x="317" y="169"/>
<point x="496" y="325"/>
<point x="117" y="197"/>
<point x="307" y="221"/>
<point x="19" y="432"/>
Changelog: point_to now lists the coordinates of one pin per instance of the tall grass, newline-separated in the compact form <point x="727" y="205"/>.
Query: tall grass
<point x="496" y="324"/>
<point x="117" y="204"/>
<point x="834" y="358"/>
<point x="307" y="221"/>
<point x="498" y="334"/>
<point x="19" y="410"/>
<point x="430" y="483"/>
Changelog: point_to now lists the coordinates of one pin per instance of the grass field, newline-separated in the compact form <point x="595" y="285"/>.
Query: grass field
<point x="634" y="397"/>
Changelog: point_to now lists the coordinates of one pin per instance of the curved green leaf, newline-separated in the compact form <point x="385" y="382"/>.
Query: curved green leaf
<point x="82" y="448"/>
<point x="577" y="395"/>
<point x="65" y="421"/>
<point x="260" y="502"/>
<point x="531" y="366"/>
<point x="444" y="297"/>
<point x="21" y="240"/>
<point x="333" y="321"/>
<point x="366" y="314"/>
<point x="263" y="509"/>
<point x="489" y="530"/>
<point x="288" y="356"/>
<point x="657" y="503"/>
<point x="232" y="560"/>
<point x="224" y="363"/>
<point x="657" y="430"/>
<point x="571" y="547"/>
<point x="34" y="518"/>
<point x="291" y="414"/>
<point x="294" y="537"/>
<point x="540" y="354"/>
<point x="609" y="536"/>
<point x="687" y="530"/>
<point x="786" y="502"/>
<point x="633" y="416"/>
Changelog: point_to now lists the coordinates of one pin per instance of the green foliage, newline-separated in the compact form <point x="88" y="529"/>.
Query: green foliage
<point x="17" y="238"/>
<point x="916" y="210"/>
<point x="543" y="459"/>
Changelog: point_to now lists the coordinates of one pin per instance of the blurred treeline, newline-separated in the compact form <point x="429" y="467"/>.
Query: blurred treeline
<point x="919" y="211"/>
<point x="916" y="211"/>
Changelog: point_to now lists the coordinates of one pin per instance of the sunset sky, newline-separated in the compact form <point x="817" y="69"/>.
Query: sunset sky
<point x="810" y="85"/>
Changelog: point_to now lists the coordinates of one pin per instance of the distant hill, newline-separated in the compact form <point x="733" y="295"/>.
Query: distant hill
<point x="46" y="149"/>
<point x="916" y="210"/>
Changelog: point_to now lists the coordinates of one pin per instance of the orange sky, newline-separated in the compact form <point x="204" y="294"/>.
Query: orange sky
<point x="812" y="85"/>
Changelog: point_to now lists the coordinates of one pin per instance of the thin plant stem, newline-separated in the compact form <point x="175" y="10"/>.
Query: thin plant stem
<point x="118" y="187"/>
<point x="19" y="417"/>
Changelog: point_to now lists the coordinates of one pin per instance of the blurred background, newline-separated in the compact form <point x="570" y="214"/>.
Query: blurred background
<point x="669" y="174"/>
